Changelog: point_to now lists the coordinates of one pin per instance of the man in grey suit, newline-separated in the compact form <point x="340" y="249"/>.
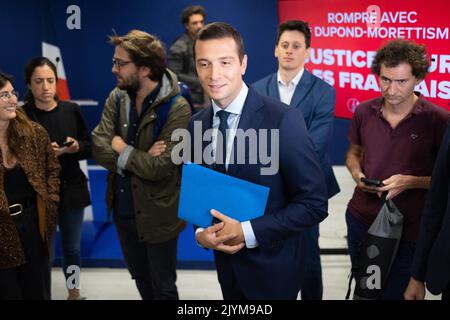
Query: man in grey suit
<point x="298" y="88"/>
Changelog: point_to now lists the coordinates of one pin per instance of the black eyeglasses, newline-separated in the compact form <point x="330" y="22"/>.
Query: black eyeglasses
<point x="5" y="96"/>
<point x="119" y="63"/>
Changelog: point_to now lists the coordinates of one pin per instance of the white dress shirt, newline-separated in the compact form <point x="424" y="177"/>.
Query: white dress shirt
<point x="235" y="110"/>
<point x="287" y="90"/>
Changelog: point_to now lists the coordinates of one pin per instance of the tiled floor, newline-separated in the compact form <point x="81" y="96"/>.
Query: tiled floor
<point x="113" y="284"/>
<point x="116" y="284"/>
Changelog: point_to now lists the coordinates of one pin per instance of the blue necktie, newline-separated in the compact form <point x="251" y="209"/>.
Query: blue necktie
<point x="221" y="150"/>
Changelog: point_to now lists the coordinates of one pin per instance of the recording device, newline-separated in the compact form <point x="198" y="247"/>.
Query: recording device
<point x="372" y="182"/>
<point x="67" y="143"/>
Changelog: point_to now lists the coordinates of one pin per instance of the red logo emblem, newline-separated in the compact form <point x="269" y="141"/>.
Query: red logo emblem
<point x="352" y="103"/>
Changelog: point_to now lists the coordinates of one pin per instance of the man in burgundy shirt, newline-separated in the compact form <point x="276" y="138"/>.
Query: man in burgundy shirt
<point x="394" y="138"/>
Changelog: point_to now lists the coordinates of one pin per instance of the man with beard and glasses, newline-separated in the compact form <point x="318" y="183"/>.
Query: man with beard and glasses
<point x="132" y="143"/>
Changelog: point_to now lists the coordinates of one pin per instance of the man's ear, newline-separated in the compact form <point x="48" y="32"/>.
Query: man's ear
<point x="244" y="64"/>
<point x="145" y="71"/>
<point x="418" y="81"/>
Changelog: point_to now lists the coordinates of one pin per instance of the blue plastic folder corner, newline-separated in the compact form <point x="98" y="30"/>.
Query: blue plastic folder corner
<point x="203" y="189"/>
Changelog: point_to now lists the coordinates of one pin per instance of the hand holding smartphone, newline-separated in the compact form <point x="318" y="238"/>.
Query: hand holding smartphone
<point x="67" y="143"/>
<point x="372" y="182"/>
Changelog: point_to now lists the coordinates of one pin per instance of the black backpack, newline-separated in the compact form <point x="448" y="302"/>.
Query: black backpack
<point x="377" y="253"/>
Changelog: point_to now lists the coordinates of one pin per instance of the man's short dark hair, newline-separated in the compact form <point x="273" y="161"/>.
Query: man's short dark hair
<point x="219" y="30"/>
<point x="189" y="11"/>
<point x="295" y="25"/>
<point x="4" y="79"/>
<point x="400" y="51"/>
<point x="144" y="50"/>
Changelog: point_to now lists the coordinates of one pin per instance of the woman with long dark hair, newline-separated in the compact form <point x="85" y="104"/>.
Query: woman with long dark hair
<point x="71" y="143"/>
<point x="29" y="183"/>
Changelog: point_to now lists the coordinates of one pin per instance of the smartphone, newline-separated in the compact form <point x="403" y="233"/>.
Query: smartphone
<point x="67" y="143"/>
<point x="372" y="182"/>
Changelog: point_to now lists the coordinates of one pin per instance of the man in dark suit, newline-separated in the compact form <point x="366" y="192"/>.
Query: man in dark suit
<point x="299" y="89"/>
<point x="432" y="257"/>
<point x="260" y="258"/>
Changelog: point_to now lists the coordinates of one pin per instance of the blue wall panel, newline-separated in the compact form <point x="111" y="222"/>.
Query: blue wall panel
<point x="87" y="61"/>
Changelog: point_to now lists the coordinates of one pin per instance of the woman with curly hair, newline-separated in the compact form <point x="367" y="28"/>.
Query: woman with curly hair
<point x="29" y="186"/>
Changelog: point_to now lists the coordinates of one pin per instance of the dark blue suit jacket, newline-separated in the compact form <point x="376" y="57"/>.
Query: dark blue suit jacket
<point x="432" y="257"/>
<point x="297" y="200"/>
<point x="315" y="99"/>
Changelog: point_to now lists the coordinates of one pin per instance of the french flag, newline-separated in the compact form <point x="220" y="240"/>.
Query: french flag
<point x="51" y="50"/>
<point x="53" y="53"/>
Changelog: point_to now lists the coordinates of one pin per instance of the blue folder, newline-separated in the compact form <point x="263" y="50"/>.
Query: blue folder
<point x="203" y="189"/>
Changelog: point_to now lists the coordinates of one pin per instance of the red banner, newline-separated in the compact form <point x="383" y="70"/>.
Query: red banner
<point x="346" y="35"/>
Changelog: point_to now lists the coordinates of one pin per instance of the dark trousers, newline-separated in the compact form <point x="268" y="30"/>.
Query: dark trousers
<point x="400" y="272"/>
<point x="29" y="281"/>
<point x="152" y="266"/>
<point x="70" y="224"/>
<point x="231" y="291"/>
<point x="312" y="287"/>
<point x="446" y="293"/>
<point x="229" y="285"/>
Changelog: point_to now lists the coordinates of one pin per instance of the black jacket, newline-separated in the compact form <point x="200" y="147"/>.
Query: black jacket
<point x="432" y="257"/>
<point x="63" y="121"/>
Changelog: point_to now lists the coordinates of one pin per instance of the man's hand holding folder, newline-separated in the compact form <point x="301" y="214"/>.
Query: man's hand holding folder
<point x="203" y="189"/>
<point x="226" y="236"/>
<point x="204" y="192"/>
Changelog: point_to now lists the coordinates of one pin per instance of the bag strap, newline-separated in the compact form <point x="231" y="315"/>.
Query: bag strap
<point x="351" y="276"/>
<point x="353" y="272"/>
<point x="387" y="202"/>
<point x="117" y="114"/>
<point x="162" y="113"/>
<point x="383" y="197"/>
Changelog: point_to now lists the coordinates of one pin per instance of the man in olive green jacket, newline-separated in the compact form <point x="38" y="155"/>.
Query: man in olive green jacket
<point x="143" y="182"/>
